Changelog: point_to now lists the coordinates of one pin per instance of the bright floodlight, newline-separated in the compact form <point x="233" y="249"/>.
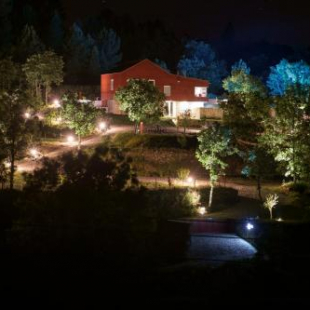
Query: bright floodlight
<point x="70" y="139"/>
<point x="56" y="103"/>
<point x="249" y="226"/>
<point x="190" y="180"/>
<point x="102" y="125"/>
<point x="34" y="152"/>
<point x="201" y="210"/>
<point x="27" y="115"/>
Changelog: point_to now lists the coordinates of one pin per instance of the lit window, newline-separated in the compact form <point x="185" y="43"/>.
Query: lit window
<point x="201" y="92"/>
<point x="112" y="84"/>
<point x="152" y="81"/>
<point x="167" y="90"/>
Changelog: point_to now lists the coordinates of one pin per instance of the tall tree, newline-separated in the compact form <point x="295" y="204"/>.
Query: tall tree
<point x="109" y="49"/>
<point x="76" y="52"/>
<point x="142" y="101"/>
<point x="214" y="146"/>
<point x="241" y="81"/>
<point x="43" y="70"/>
<point x="79" y="116"/>
<point x="200" y="61"/>
<point x="56" y="33"/>
<point x="287" y="133"/>
<point x="286" y="74"/>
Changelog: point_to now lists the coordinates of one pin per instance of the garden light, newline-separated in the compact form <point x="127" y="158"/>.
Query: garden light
<point x="56" y="103"/>
<point x="70" y="139"/>
<point x="34" y="153"/>
<point x="190" y="180"/>
<point x="102" y="126"/>
<point x="27" y="115"/>
<point x="249" y="226"/>
<point x="202" y="210"/>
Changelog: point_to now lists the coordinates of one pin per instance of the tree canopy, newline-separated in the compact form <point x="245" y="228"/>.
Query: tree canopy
<point x="286" y="74"/>
<point x="142" y="101"/>
<point x="79" y="116"/>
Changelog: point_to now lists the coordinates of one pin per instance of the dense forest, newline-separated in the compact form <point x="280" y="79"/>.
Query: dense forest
<point x="104" y="42"/>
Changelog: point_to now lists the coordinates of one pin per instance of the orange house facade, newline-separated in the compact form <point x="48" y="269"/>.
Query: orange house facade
<point x="182" y="93"/>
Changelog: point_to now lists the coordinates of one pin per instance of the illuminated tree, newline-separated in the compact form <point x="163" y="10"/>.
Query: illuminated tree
<point x="142" y="101"/>
<point x="287" y="133"/>
<point x="200" y="61"/>
<point x="241" y="81"/>
<point x="43" y="70"/>
<point x="79" y="116"/>
<point x="286" y="74"/>
<point x="214" y="146"/>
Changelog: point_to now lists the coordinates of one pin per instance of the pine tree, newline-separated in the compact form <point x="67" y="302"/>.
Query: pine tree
<point x="94" y="64"/>
<point x="56" y="33"/>
<point x="109" y="49"/>
<point x="76" y="52"/>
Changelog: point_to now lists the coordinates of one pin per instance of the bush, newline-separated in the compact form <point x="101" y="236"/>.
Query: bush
<point x="183" y="173"/>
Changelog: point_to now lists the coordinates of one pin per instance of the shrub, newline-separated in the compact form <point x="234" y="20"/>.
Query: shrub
<point x="183" y="173"/>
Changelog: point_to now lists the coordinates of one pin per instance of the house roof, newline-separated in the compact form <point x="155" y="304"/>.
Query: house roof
<point x="149" y="62"/>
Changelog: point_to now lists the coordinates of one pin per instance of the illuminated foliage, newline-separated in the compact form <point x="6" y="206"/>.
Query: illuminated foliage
<point x="44" y="70"/>
<point x="287" y="134"/>
<point x="214" y="146"/>
<point x="286" y="74"/>
<point x="200" y="62"/>
<point x="141" y="100"/>
<point x="240" y="81"/>
<point x="79" y="116"/>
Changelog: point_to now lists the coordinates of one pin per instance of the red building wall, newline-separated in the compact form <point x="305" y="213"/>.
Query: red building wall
<point x="182" y="88"/>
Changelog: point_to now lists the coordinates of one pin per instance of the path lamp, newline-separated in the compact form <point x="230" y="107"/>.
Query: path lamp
<point x="102" y="126"/>
<point x="191" y="181"/>
<point x="34" y="153"/>
<point x="202" y="210"/>
<point x="249" y="226"/>
<point x="27" y="115"/>
<point x="70" y="140"/>
<point x="56" y="103"/>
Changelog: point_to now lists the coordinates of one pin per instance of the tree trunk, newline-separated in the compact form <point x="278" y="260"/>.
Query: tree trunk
<point x="79" y="143"/>
<point x="136" y="127"/>
<point x="46" y="93"/>
<point x="259" y="188"/>
<point x="211" y="195"/>
<point x="271" y="214"/>
<point x="12" y="168"/>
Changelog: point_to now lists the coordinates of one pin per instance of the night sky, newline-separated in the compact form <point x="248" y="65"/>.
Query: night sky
<point x="276" y="21"/>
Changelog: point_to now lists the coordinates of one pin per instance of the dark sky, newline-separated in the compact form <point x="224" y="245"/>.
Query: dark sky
<point x="277" y="21"/>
